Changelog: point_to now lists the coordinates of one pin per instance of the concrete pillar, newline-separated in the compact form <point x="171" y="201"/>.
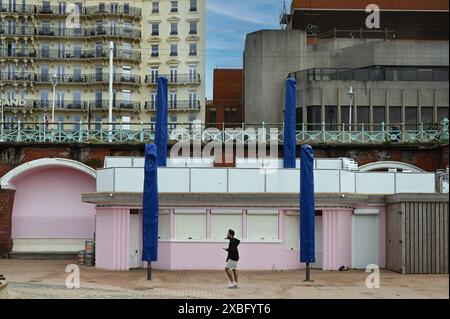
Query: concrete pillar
<point x="6" y="208"/>
<point x="112" y="234"/>
<point x="337" y="238"/>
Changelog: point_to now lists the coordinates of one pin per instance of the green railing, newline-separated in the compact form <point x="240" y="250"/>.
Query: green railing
<point x="204" y="133"/>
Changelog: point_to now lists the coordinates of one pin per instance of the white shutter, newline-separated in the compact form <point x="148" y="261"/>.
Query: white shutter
<point x="164" y="225"/>
<point x="262" y="225"/>
<point x="222" y="221"/>
<point x="190" y="224"/>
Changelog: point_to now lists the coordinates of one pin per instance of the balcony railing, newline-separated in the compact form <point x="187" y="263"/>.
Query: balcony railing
<point x="16" y="77"/>
<point x="18" y="8"/>
<point x="373" y="74"/>
<point x="176" y="79"/>
<point x="115" y="9"/>
<point x="59" y="104"/>
<point x="117" y="78"/>
<point x="117" y="105"/>
<point x="60" y="32"/>
<point x="117" y="31"/>
<point x="179" y="105"/>
<point x="17" y="53"/>
<point x="20" y="132"/>
<point x="19" y="30"/>
<point x="133" y="55"/>
<point x="62" y="78"/>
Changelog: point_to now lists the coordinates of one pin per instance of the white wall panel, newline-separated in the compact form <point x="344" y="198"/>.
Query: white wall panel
<point x="245" y="181"/>
<point x="129" y="180"/>
<point x="326" y="181"/>
<point x="200" y="162"/>
<point x="375" y="183"/>
<point x="283" y="181"/>
<point x="415" y="183"/>
<point x="173" y="180"/>
<point x="118" y="162"/>
<point x="347" y="182"/>
<point x="139" y="162"/>
<point x="105" y="180"/>
<point x="328" y="164"/>
<point x="208" y="180"/>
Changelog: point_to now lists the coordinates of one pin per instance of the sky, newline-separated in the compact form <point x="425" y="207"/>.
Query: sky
<point x="227" y="23"/>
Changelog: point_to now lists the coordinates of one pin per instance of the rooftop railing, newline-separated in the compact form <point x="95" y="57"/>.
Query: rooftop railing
<point x="192" y="132"/>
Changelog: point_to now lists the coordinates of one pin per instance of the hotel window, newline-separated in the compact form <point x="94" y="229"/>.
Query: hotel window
<point x="59" y="99"/>
<point x="154" y="72"/>
<point x="45" y="50"/>
<point x="345" y="114"/>
<point x="442" y="113"/>
<point x="76" y="99"/>
<point x="331" y="117"/>
<point x="173" y="75"/>
<point x="155" y="50"/>
<point x="222" y="220"/>
<point x="262" y="225"/>
<point x="98" y="99"/>
<point x="173" y="119"/>
<point x="173" y="6"/>
<point x="192" y="49"/>
<point x="77" y="74"/>
<point x="173" y="28"/>
<point x="155" y="7"/>
<point x="45" y="28"/>
<point x="379" y="116"/>
<point x="114" y="7"/>
<point x="164" y="225"/>
<point x="61" y="50"/>
<point x="193" y="74"/>
<point x="45" y="74"/>
<point x="77" y="50"/>
<point x="62" y="28"/>
<point x="60" y="72"/>
<point x="98" y="122"/>
<point x="128" y="28"/>
<point x="193" y="100"/>
<point x="126" y="73"/>
<point x="11" y="27"/>
<point x="427" y="117"/>
<point x="46" y="7"/>
<point x="76" y="119"/>
<point x="127" y="50"/>
<point x="193" y="6"/>
<point x="173" y="100"/>
<point x="60" y="122"/>
<point x="411" y="118"/>
<point x="363" y="117"/>
<point x="11" y="72"/>
<point x="193" y="27"/>
<point x="153" y="97"/>
<point x="155" y="28"/>
<point x="44" y="95"/>
<point x="190" y="224"/>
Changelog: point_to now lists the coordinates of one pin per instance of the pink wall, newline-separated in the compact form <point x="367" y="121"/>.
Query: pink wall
<point x="47" y="204"/>
<point x="113" y="238"/>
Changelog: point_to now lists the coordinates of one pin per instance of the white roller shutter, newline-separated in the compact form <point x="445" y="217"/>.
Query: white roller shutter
<point x="262" y="225"/>
<point x="222" y="221"/>
<point x="190" y="224"/>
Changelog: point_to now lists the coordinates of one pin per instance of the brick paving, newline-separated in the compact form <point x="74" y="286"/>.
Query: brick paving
<point x="46" y="279"/>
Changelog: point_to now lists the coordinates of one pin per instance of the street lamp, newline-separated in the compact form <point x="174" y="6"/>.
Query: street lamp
<point x="351" y="96"/>
<point x="54" y="83"/>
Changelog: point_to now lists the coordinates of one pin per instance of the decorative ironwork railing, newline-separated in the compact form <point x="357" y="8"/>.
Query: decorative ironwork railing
<point x="95" y="132"/>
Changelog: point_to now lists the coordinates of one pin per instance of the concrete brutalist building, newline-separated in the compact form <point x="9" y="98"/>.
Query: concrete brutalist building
<point x="397" y="80"/>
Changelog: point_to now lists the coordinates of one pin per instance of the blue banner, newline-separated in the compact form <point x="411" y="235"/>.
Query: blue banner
<point x="150" y="205"/>
<point x="290" y="123"/>
<point x="161" y="136"/>
<point x="307" y="205"/>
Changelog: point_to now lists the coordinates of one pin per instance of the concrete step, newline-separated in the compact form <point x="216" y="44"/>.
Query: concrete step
<point x="59" y="255"/>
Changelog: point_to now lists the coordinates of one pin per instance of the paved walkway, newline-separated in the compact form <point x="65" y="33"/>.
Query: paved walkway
<point x="46" y="279"/>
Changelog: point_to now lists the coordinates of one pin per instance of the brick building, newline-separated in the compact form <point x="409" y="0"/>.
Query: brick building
<point x="227" y="106"/>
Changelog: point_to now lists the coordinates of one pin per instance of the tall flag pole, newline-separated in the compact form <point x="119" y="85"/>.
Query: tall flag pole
<point x="150" y="209"/>
<point x="161" y="135"/>
<point x="307" y="208"/>
<point x="290" y="123"/>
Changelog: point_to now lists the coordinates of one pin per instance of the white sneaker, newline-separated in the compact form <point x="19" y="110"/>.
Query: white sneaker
<point x="232" y="285"/>
<point x="236" y="285"/>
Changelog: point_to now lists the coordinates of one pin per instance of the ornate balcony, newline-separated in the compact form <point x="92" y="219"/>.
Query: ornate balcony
<point x="62" y="78"/>
<point x="179" y="105"/>
<point x="59" y="32"/>
<point x="117" y="105"/>
<point x="179" y="79"/>
<point x="17" y="53"/>
<point x="114" y="10"/>
<point x="131" y="55"/>
<point x="16" y="77"/>
<point x="68" y="105"/>
<point x="125" y="32"/>
<point x="118" y="78"/>
<point x="20" y="30"/>
<point x="16" y="9"/>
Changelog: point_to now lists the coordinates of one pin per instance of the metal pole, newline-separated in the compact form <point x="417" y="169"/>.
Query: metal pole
<point x="54" y="100"/>
<point x="149" y="271"/>
<point x="111" y="79"/>
<point x="350" y="116"/>
<point x="308" y="275"/>
<point x="3" y="120"/>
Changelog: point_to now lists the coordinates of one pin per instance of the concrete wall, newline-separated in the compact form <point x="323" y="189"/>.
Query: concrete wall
<point x="270" y="55"/>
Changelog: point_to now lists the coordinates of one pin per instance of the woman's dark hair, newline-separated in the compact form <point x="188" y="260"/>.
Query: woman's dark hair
<point x="231" y="232"/>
